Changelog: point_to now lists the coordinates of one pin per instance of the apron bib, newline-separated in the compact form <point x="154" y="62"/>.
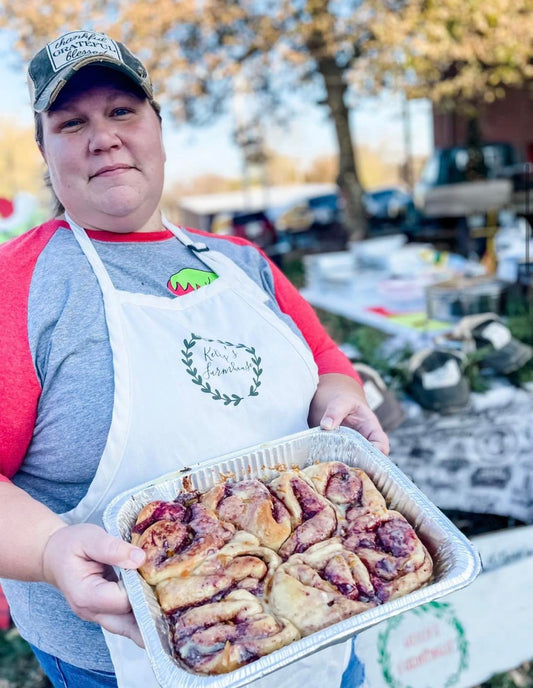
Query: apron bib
<point x="195" y="377"/>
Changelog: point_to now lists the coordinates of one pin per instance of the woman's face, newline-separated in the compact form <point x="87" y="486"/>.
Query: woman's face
<point x="104" y="150"/>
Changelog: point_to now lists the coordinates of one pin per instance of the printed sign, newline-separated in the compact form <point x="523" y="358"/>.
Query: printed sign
<point x="428" y="636"/>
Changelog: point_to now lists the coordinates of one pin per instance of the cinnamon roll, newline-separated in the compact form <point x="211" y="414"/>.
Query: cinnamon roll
<point x="157" y="511"/>
<point x="397" y="560"/>
<point x="322" y="586"/>
<point x="250" y="506"/>
<point x="317" y="546"/>
<point x="348" y="488"/>
<point x="175" y="548"/>
<point x="221" y="636"/>
<point x="312" y="516"/>
<point x="241" y="564"/>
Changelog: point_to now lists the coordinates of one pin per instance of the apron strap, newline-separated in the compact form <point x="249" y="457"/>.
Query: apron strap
<point x="92" y="256"/>
<point x="194" y="246"/>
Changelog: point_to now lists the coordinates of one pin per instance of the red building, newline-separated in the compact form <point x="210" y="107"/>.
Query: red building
<point x="509" y="119"/>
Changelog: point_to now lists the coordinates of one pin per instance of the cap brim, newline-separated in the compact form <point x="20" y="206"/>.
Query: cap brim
<point x="62" y="77"/>
<point x="509" y="358"/>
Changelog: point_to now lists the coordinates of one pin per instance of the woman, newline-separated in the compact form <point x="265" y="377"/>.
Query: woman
<point x="110" y="314"/>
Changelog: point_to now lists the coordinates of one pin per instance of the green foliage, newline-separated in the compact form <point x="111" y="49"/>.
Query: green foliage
<point x="339" y="328"/>
<point x="522" y="376"/>
<point x="369" y="342"/>
<point x="500" y="681"/>
<point x="391" y="365"/>
<point x="18" y="666"/>
<point x="13" y="646"/>
<point x="294" y="270"/>
<point x="472" y="371"/>
<point x="522" y="677"/>
<point x="519" y="310"/>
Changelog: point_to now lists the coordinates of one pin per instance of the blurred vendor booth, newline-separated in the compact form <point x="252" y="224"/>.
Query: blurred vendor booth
<point x="383" y="283"/>
<point x="464" y="434"/>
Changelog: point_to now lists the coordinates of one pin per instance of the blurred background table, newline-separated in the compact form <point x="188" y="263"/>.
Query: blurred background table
<point x="382" y="283"/>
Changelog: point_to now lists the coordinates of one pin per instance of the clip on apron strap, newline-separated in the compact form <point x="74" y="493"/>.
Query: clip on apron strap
<point x="195" y="246"/>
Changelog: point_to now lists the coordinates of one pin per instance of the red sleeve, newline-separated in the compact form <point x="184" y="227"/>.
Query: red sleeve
<point x="328" y="357"/>
<point x="20" y="388"/>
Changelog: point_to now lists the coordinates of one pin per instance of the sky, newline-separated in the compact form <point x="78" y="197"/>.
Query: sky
<point x="194" y="151"/>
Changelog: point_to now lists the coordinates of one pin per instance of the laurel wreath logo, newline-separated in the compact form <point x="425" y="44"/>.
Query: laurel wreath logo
<point x="217" y="395"/>
<point x="442" y="611"/>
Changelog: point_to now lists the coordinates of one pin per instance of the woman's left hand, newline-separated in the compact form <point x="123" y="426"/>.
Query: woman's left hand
<point x="340" y="400"/>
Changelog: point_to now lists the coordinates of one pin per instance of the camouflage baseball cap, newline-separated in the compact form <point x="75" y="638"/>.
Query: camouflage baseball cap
<point x="53" y="66"/>
<point x="437" y="381"/>
<point x="487" y="334"/>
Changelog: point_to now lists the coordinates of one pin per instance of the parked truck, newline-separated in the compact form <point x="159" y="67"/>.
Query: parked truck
<point x="465" y="187"/>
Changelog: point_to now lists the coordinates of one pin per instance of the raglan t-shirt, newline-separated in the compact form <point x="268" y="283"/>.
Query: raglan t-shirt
<point x="56" y="377"/>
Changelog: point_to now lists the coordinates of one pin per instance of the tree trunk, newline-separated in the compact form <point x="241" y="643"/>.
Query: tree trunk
<point x="348" y="179"/>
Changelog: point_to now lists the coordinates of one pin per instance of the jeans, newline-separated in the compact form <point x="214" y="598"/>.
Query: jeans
<point x="65" y="675"/>
<point x="354" y="674"/>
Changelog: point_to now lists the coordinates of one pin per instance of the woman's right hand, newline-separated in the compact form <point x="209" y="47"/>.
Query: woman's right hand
<point x="78" y="560"/>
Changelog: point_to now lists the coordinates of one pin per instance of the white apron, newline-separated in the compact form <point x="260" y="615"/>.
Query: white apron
<point x="195" y="377"/>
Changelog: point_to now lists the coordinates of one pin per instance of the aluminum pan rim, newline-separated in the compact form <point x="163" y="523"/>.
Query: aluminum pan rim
<point x="454" y="553"/>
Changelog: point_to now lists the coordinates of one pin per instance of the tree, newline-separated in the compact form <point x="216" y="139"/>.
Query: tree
<point x="458" y="53"/>
<point x="21" y="166"/>
<point x="194" y="49"/>
<point x="330" y="50"/>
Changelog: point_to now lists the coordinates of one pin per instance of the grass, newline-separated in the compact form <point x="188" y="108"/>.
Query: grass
<point x="18" y="666"/>
<point x="517" y="678"/>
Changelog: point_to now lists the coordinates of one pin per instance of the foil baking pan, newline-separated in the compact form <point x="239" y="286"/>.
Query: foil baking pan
<point x="456" y="563"/>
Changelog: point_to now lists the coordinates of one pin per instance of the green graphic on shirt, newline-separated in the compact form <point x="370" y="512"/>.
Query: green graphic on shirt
<point x="210" y="360"/>
<point x="190" y="279"/>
